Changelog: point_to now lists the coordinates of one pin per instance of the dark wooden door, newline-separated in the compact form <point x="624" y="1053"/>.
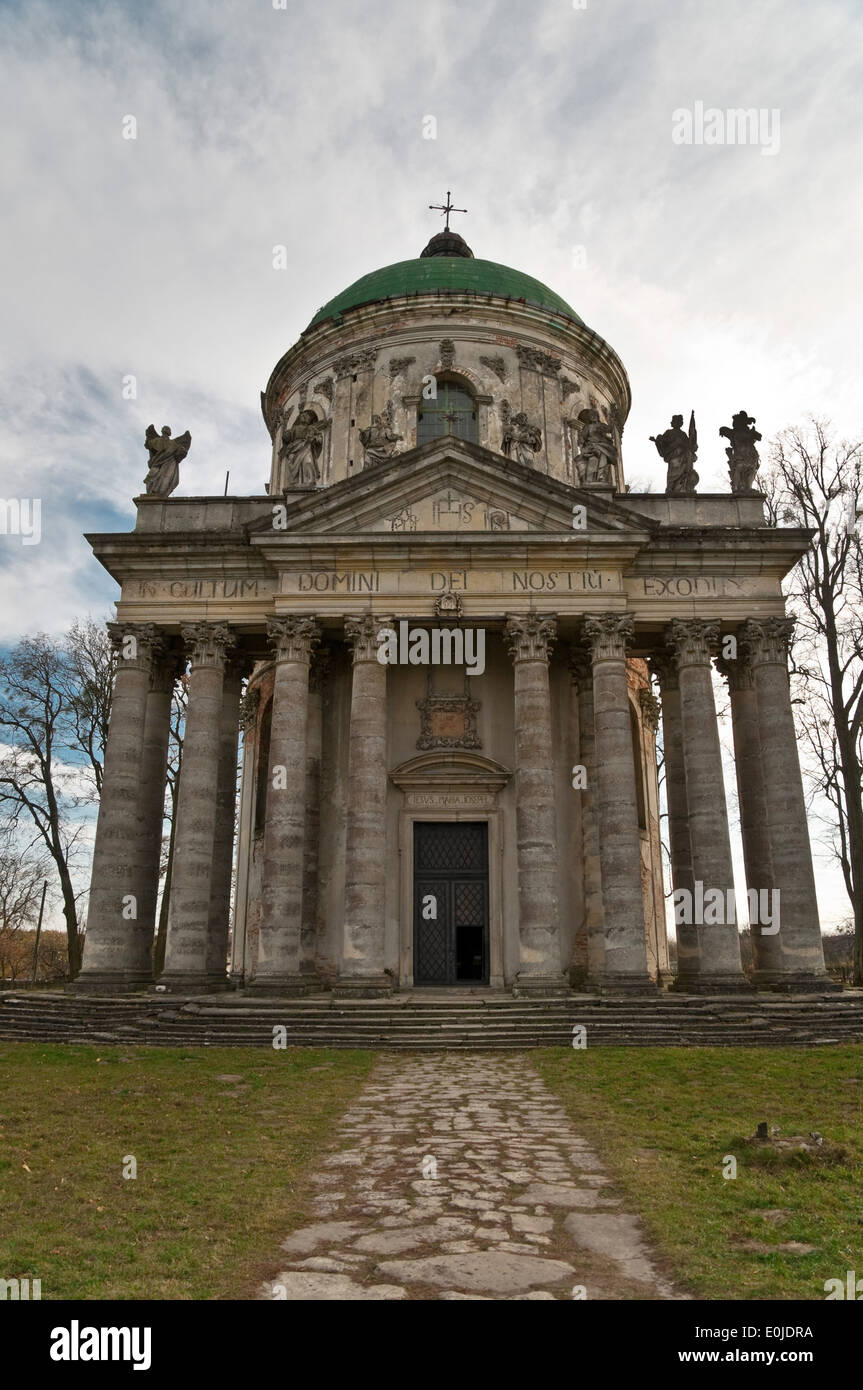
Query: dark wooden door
<point x="450" y="903"/>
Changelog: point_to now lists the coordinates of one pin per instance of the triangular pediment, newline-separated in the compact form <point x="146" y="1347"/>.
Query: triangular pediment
<point x="451" y="485"/>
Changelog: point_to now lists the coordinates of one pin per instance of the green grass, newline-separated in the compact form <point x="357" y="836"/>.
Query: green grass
<point x="223" y="1166"/>
<point x="220" y="1165"/>
<point x="663" y="1120"/>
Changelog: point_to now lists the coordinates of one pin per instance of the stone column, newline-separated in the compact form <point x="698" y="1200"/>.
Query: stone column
<point x="608" y="635"/>
<point x="314" y="748"/>
<point x="226" y="810"/>
<point x="765" y="645"/>
<point x="278" y="966"/>
<point x="582" y="673"/>
<point x="366" y="868"/>
<point x="708" y="948"/>
<point x="752" y="800"/>
<point x="679" y="848"/>
<point x="188" y="961"/>
<point x="529" y="637"/>
<point x="119" y="941"/>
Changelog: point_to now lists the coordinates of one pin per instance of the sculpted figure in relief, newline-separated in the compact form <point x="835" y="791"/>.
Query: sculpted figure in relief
<point x="679" y="451"/>
<point x="380" y="440"/>
<point x="521" y="439"/>
<point x="597" y="452"/>
<point x="301" y="449"/>
<point x="741" y="452"/>
<point x="166" y="455"/>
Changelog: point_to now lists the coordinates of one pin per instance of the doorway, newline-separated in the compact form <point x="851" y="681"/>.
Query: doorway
<point x="451" y="903"/>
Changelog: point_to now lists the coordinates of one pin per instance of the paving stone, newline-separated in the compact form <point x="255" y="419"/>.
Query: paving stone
<point x="324" y="1234"/>
<point x="496" y="1271"/>
<point x="556" y="1195"/>
<point x="618" y="1236"/>
<point x="540" y="1224"/>
<point x="307" y="1286"/>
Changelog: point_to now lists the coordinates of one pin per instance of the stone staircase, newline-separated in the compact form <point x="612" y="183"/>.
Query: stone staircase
<point x="419" y="1022"/>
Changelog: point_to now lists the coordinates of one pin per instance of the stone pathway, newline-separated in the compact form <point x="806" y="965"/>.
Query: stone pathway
<point x="465" y="1179"/>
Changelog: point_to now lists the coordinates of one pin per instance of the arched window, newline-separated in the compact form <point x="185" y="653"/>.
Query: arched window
<point x="452" y="412"/>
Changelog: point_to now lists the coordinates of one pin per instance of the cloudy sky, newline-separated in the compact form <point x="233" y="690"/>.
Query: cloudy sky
<point x="724" y="276"/>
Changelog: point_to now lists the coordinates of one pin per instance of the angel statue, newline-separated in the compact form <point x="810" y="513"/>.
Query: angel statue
<point x="521" y="439"/>
<point x="742" y="453"/>
<point x="380" y="440"/>
<point x="679" y="452"/>
<point x="596" y="460"/>
<point x="166" y="455"/>
<point x="301" y="450"/>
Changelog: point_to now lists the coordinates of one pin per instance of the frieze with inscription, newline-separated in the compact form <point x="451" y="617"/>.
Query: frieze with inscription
<point x="676" y="586"/>
<point x="419" y="582"/>
<point x="200" y="588"/>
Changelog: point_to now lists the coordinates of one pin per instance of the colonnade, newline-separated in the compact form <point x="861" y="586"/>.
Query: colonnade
<point x="118" y="952"/>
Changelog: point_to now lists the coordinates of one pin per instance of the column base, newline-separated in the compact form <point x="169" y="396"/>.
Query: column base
<point x="110" y="982"/>
<point x="177" y="983"/>
<point x="363" y="987"/>
<point x="627" y="985"/>
<point x="797" y="982"/>
<point x="291" y="986"/>
<point x="712" y="984"/>
<point x="541" y="987"/>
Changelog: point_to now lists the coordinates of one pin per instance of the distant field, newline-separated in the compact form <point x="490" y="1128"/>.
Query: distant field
<point x="664" y="1119"/>
<point x="219" y="1163"/>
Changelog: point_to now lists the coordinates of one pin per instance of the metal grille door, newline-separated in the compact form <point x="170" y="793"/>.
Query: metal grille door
<point x="450" y="903"/>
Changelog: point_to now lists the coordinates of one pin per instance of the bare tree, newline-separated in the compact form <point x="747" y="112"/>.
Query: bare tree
<point x="816" y="482"/>
<point x="90" y="682"/>
<point x="166" y="863"/>
<point x="23" y="870"/>
<point x="53" y="715"/>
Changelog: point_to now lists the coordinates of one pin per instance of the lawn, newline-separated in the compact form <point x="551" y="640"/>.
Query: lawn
<point x="220" y="1163"/>
<point x="664" y="1120"/>
<point x="224" y="1139"/>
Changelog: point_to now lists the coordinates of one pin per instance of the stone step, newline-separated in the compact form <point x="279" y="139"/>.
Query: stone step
<point x="414" y="1024"/>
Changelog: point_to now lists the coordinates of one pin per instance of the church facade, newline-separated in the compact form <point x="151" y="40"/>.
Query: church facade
<point x="443" y="645"/>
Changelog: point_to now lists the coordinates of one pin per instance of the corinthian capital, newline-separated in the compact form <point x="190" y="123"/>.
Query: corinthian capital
<point x="292" y="639"/>
<point x="363" y="635"/>
<point x="530" y="636"/>
<point x="663" y="667"/>
<point x="207" y="643"/>
<point x="691" y="641"/>
<point x="138" y="646"/>
<point x="737" y="670"/>
<point x="608" y="635"/>
<point x="766" y="641"/>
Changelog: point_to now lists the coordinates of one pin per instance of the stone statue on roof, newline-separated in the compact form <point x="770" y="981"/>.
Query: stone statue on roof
<point x="679" y="451"/>
<point x="166" y="455"/>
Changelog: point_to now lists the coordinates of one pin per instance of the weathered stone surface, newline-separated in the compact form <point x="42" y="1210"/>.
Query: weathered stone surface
<point x="619" y="1237"/>
<point x="496" y="1271"/>
<point x="325" y="1233"/>
<point x="303" y="1286"/>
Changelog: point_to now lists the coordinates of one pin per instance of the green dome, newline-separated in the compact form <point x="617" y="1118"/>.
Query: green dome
<point x="445" y="274"/>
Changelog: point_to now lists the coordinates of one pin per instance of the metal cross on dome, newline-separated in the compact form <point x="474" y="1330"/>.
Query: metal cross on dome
<point x="446" y="207"/>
